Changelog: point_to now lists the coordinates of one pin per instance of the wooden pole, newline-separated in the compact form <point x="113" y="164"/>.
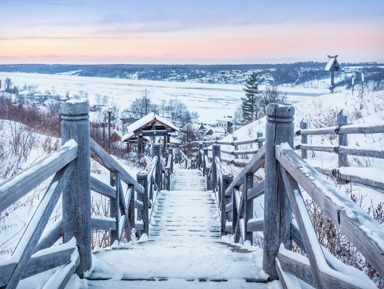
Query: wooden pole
<point x="248" y="206"/>
<point x="259" y="135"/>
<point x="114" y="206"/>
<point x="342" y="119"/>
<point x="215" y="153"/>
<point x="156" y="152"/>
<point x="234" y="138"/>
<point x="277" y="209"/>
<point x="199" y="157"/>
<point x="77" y="194"/>
<point x="227" y="180"/>
<point x="142" y="179"/>
<point x="304" y="138"/>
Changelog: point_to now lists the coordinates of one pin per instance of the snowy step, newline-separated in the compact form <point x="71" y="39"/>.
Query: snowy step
<point x="184" y="249"/>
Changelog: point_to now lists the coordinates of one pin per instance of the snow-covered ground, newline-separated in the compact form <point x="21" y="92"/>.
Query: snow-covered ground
<point x="211" y="101"/>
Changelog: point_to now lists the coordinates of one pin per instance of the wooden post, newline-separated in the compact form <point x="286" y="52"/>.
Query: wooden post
<point x="236" y="147"/>
<point x="215" y="153"/>
<point x="304" y="138"/>
<point x="248" y="206"/>
<point x="142" y="179"/>
<point x="170" y="150"/>
<point x="199" y="157"/>
<point x="277" y="209"/>
<point x="139" y="148"/>
<point x="259" y="135"/>
<point x="205" y="154"/>
<point x="180" y="150"/>
<point x="114" y="206"/>
<point x="342" y="119"/>
<point x="156" y="152"/>
<point x="77" y="194"/>
<point x="227" y="180"/>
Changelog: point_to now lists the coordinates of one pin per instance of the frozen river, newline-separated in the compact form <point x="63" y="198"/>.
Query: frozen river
<point x="210" y="101"/>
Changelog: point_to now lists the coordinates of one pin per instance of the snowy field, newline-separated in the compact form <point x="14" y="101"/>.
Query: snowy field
<point x="211" y="101"/>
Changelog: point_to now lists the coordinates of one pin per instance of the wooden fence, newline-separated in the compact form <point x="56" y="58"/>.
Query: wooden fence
<point x="286" y="175"/>
<point x="70" y="166"/>
<point x="342" y="130"/>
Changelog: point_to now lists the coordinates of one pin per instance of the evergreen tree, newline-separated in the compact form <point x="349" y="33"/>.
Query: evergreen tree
<point x="251" y="102"/>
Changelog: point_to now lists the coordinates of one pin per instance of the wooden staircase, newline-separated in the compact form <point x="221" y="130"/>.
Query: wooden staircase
<point x="184" y="247"/>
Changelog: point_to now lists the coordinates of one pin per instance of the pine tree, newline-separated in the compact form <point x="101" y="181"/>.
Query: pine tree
<point x="251" y="102"/>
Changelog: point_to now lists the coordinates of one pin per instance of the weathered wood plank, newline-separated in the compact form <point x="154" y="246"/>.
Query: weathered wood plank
<point x="229" y="207"/>
<point x="13" y="189"/>
<point x="254" y="164"/>
<point x="256" y="191"/>
<point x="255" y="225"/>
<point x="299" y="266"/>
<point x="373" y="153"/>
<point x="61" y="277"/>
<point x="101" y="188"/>
<point x="308" y="234"/>
<point x="277" y="210"/>
<point x="354" y="222"/>
<point x="76" y="200"/>
<point x="288" y="281"/>
<point x="103" y="223"/>
<point x="107" y="161"/>
<point x="352" y="178"/>
<point x="40" y="262"/>
<point x="114" y="208"/>
<point x="35" y="228"/>
<point x="51" y="237"/>
<point x="347" y="129"/>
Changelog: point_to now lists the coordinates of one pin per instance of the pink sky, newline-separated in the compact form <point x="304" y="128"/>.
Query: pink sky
<point x="85" y="31"/>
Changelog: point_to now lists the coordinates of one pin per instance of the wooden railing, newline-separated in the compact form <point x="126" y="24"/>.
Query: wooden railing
<point x="286" y="174"/>
<point x="70" y="165"/>
<point x="343" y="150"/>
<point x="235" y="152"/>
<point x="22" y="264"/>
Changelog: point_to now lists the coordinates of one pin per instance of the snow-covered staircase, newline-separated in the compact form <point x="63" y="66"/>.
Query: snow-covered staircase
<point x="184" y="248"/>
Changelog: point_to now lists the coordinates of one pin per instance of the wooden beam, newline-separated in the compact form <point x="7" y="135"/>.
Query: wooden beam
<point x="299" y="266"/>
<point x="41" y="262"/>
<point x="343" y="150"/>
<point x="308" y="234"/>
<point x="103" y="223"/>
<point x="61" y="277"/>
<point x="107" y="161"/>
<point x="40" y="218"/>
<point x="256" y="191"/>
<point x="255" y="225"/>
<point x="347" y="129"/>
<point x="51" y="237"/>
<point x="253" y="165"/>
<point x="353" y="221"/>
<point x="13" y="189"/>
<point x="101" y="188"/>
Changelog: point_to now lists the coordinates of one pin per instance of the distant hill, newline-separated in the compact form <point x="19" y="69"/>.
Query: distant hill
<point x="293" y="74"/>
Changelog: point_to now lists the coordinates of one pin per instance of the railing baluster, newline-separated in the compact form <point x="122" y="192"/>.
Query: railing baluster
<point x="277" y="210"/>
<point x="77" y="195"/>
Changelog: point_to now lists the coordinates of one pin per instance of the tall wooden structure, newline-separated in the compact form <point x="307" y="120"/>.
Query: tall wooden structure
<point x="332" y="66"/>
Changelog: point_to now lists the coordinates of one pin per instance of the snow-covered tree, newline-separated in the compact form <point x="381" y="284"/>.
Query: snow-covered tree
<point x="251" y="105"/>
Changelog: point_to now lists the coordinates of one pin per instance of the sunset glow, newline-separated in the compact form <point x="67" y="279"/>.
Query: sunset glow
<point x="95" y="31"/>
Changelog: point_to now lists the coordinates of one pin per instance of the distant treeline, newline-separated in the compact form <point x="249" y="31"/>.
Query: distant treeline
<point x="293" y="73"/>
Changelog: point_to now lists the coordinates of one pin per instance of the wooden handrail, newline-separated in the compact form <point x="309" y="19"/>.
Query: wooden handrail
<point x="345" y="129"/>
<point x="343" y="150"/>
<point x="18" y="186"/>
<point x="354" y="222"/>
<point x="254" y="164"/>
<point x="107" y="161"/>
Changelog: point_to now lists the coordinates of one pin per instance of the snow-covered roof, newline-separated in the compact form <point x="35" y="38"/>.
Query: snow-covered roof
<point x="149" y="118"/>
<point x="131" y="134"/>
<point x="332" y="62"/>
